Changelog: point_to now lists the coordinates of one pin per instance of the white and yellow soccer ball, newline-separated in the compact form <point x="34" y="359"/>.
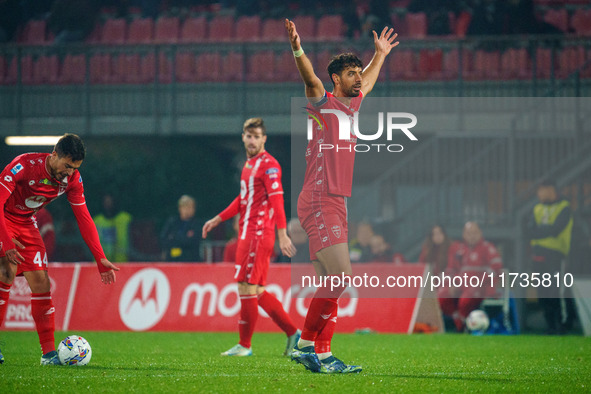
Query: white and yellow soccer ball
<point x="74" y="350"/>
<point x="477" y="321"/>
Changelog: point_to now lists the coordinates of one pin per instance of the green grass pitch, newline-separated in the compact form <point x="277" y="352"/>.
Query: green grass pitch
<point x="190" y="362"/>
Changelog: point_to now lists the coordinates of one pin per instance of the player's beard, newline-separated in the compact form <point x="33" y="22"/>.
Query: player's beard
<point x="354" y="93"/>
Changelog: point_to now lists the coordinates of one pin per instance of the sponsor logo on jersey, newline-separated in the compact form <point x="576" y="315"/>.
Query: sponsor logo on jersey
<point x="8" y="178"/>
<point x="16" y="169"/>
<point x="248" y="165"/>
<point x="272" y="171"/>
<point x="273" y="176"/>
<point x="34" y="202"/>
<point x="31" y="183"/>
<point x="49" y="182"/>
<point x="80" y="178"/>
<point x="275" y="185"/>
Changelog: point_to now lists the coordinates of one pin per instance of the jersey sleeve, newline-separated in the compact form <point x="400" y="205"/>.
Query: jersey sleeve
<point x="75" y="190"/>
<point x="9" y="178"/>
<point x="231" y="210"/>
<point x="274" y="188"/>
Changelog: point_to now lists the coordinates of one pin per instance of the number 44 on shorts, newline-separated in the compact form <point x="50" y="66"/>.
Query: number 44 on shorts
<point x="40" y="262"/>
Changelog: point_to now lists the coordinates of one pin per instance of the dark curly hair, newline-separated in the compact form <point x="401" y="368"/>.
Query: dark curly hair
<point x="70" y="145"/>
<point x="342" y="61"/>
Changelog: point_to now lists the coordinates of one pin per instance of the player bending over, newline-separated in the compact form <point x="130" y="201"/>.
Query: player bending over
<point x="27" y="184"/>
<point x="322" y="204"/>
<point x="260" y="205"/>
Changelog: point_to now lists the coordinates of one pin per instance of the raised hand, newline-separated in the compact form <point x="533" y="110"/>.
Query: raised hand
<point x="294" y="37"/>
<point x="385" y="42"/>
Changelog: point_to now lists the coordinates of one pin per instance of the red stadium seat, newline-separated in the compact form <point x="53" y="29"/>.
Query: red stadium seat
<point x="462" y="23"/>
<point x="285" y="68"/>
<point x="194" y="30"/>
<point x="114" y="31"/>
<point x="581" y="22"/>
<point x="366" y="57"/>
<point x="46" y="69"/>
<point x="430" y="64"/>
<point x="274" y="30"/>
<point x="416" y="25"/>
<point x="185" y="67"/>
<point x="208" y="67"/>
<point x="27" y="69"/>
<point x="233" y="67"/>
<point x="515" y="64"/>
<point x="248" y="28"/>
<point x="261" y="67"/>
<point x="330" y="28"/>
<point x="321" y="62"/>
<point x="167" y="30"/>
<point x="73" y="69"/>
<point x="221" y="28"/>
<point x="306" y="27"/>
<point x="486" y="65"/>
<point x="451" y="63"/>
<point x="402" y="65"/>
<point x="544" y="63"/>
<point x="164" y="68"/>
<point x="34" y="33"/>
<point x="101" y="68"/>
<point x="570" y="59"/>
<point x="558" y="18"/>
<point x="141" y="31"/>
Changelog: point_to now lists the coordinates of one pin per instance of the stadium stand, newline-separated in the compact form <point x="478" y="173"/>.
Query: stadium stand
<point x="273" y="30"/>
<point x="167" y="30"/>
<point x="557" y="18"/>
<point x="34" y="33"/>
<point x="581" y="22"/>
<point x="261" y="67"/>
<point x="194" y="30"/>
<point x="416" y="25"/>
<point x="113" y="32"/>
<point x="221" y="28"/>
<point x="248" y="28"/>
<point x="140" y="31"/>
<point x="73" y="70"/>
<point x="330" y="28"/>
<point x="233" y="67"/>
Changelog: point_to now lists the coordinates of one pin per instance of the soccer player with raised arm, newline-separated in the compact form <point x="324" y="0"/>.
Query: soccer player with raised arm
<point x="322" y="204"/>
<point x="260" y="205"/>
<point x="27" y="184"/>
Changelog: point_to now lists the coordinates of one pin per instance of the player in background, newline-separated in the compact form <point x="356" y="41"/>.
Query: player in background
<point x="260" y="205"/>
<point x="27" y="184"/>
<point x="322" y="208"/>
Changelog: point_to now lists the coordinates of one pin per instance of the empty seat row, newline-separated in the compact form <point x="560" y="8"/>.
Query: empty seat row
<point x="169" y="30"/>
<point x="269" y="66"/>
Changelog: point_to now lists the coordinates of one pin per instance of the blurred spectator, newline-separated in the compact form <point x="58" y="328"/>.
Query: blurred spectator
<point x="73" y="20"/>
<point x="381" y="251"/>
<point x="47" y="231"/>
<point x="113" y="228"/>
<point x="437" y="12"/>
<point x="359" y="247"/>
<point x="232" y="244"/>
<point x="473" y="257"/>
<point x="550" y="231"/>
<point x="377" y="17"/>
<point x="180" y="237"/>
<point x="435" y="249"/>
<point x="487" y="18"/>
<point x="11" y="16"/>
<point x="521" y="19"/>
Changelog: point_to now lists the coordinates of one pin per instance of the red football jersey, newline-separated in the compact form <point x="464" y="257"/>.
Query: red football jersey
<point x="28" y="187"/>
<point x="473" y="260"/>
<point x="331" y="170"/>
<point x="260" y="179"/>
<point x="32" y="187"/>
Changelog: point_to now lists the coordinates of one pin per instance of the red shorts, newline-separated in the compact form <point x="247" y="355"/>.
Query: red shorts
<point x="34" y="251"/>
<point x="324" y="218"/>
<point x="252" y="259"/>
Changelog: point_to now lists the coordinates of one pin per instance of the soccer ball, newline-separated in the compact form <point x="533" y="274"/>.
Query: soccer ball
<point x="74" y="350"/>
<point x="477" y="321"/>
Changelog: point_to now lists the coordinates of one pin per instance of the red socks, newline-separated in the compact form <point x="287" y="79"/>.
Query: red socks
<point x="249" y="313"/>
<point x="322" y="344"/>
<point x="4" y="294"/>
<point x="44" y="315"/>
<point x="275" y="310"/>
<point x="321" y="310"/>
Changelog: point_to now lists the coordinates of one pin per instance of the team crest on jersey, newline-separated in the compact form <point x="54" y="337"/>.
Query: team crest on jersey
<point x="16" y="169"/>
<point x="336" y="230"/>
<point x="248" y="165"/>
